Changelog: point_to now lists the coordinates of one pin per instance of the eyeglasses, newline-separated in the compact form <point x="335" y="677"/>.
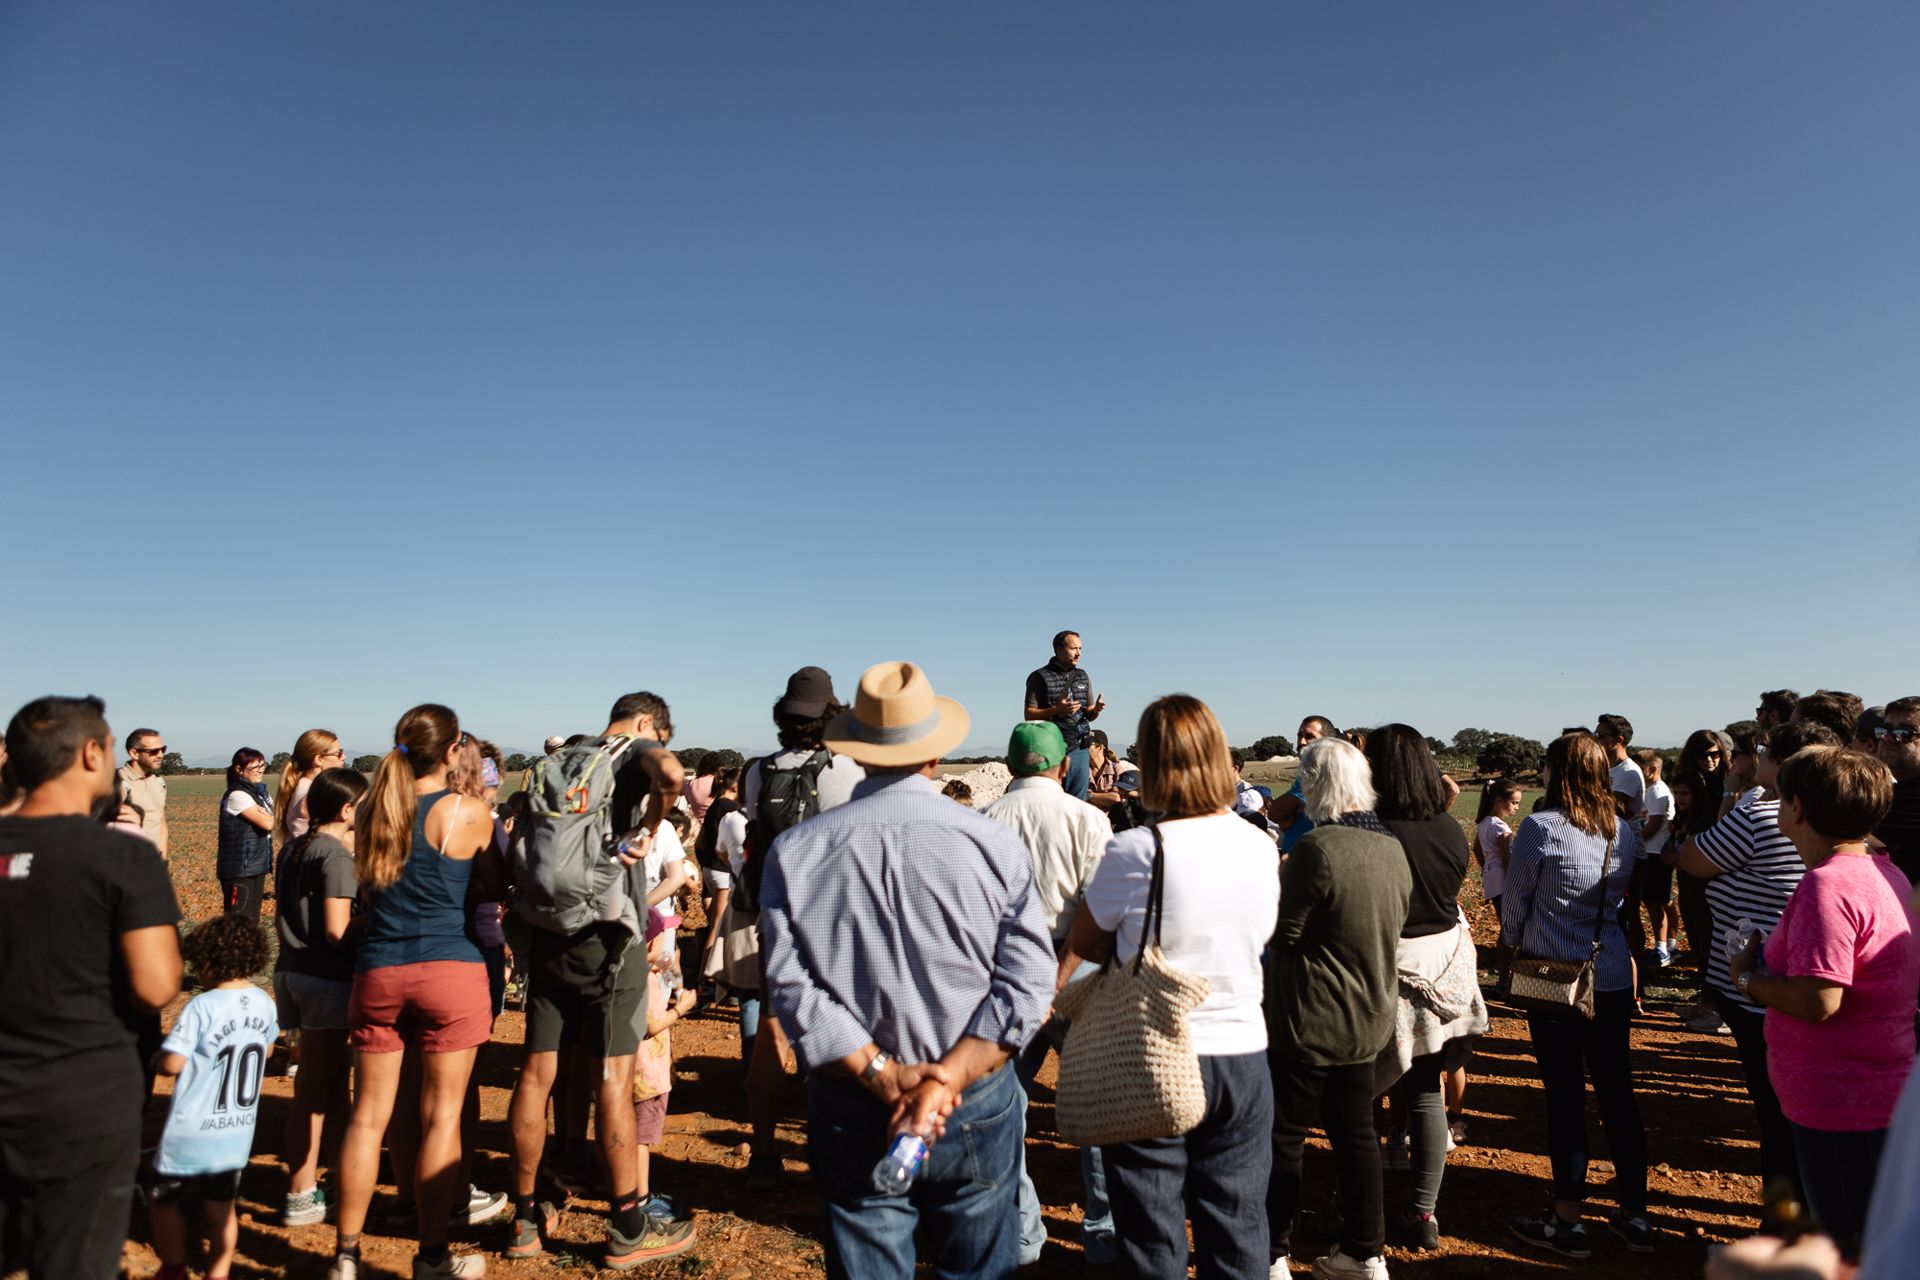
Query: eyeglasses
<point x="1902" y="734"/>
<point x="337" y="751"/>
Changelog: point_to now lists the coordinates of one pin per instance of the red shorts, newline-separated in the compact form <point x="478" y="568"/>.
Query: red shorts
<point x="443" y="1005"/>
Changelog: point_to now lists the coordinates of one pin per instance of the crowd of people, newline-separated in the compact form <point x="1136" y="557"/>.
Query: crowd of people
<point x="910" y="956"/>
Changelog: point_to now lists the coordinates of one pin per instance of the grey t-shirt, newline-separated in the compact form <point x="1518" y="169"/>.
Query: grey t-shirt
<point x="312" y="869"/>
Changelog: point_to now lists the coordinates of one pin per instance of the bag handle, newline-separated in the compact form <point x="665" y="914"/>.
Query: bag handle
<point x="1156" y="896"/>
<point x="1600" y="909"/>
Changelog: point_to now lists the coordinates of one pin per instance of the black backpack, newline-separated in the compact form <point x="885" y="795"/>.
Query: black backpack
<point x="787" y="798"/>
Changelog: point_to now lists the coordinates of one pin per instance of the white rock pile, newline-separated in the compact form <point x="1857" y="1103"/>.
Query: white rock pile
<point x="989" y="782"/>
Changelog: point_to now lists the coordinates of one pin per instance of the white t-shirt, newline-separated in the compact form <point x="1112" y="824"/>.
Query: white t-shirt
<point x="1222" y="899"/>
<point x="238" y="802"/>
<point x="1659" y="805"/>
<point x="1628" y="781"/>
<point x="732" y="839"/>
<point x="1493" y="872"/>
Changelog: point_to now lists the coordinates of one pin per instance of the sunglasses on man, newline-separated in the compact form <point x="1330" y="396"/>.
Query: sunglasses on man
<point x="1902" y="734"/>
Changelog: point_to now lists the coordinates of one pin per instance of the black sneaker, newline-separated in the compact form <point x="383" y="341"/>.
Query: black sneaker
<point x="1548" y="1231"/>
<point x="1416" y="1230"/>
<point x="1636" y="1231"/>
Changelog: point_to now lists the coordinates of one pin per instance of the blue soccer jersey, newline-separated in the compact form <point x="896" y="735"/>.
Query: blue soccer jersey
<point x="225" y="1036"/>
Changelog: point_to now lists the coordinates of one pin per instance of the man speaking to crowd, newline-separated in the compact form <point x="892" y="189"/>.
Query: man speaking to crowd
<point x="1063" y="693"/>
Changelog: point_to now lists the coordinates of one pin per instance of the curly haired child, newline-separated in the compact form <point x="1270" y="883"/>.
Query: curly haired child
<point x="218" y="1052"/>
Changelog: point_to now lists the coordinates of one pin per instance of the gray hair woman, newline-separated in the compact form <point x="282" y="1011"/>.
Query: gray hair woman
<point x="1333" y="992"/>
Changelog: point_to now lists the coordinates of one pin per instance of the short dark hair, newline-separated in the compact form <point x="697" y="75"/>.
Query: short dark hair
<point x="1870" y="719"/>
<point x="1238" y="755"/>
<point x="333" y="792"/>
<point x="1060" y="639"/>
<point x="1326" y="725"/>
<point x="650" y="705"/>
<point x="1612" y="726"/>
<point x="225" y="948"/>
<point x="1406" y="781"/>
<point x="1843" y="794"/>
<point x="1779" y="702"/>
<point x="1796" y="736"/>
<point x="795" y="732"/>
<point x="1838" y="711"/>
<point x="1908" y="706"/>
<point x="244" y="758"/>
<point x="138" y="734"/>
<point x="46" y="735"/>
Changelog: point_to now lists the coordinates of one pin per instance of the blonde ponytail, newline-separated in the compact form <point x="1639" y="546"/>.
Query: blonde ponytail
<point x="383" y="830"/>
<point x="307" y="751"/>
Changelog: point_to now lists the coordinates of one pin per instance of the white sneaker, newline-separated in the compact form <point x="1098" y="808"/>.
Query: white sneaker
<point x="344" y="1268"/>
<point x="1280" y="1270"/>
<point x="1338" y="1266"/>
<point x="458" y="1266"/>
<point x="481" y="1207"/>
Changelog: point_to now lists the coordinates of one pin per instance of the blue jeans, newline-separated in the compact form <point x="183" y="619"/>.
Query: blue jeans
<point x="749" y="1023"/>
<point x="1837" y="1171"/>
<point x="1216" y="1174"/>
<point x="1079" y="773"/>
<point x="964" y="1197"/>
<point x="1096" y="1218"/>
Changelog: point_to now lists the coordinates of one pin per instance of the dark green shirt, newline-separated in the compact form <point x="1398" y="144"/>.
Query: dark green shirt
<point x="1335" y="984"/>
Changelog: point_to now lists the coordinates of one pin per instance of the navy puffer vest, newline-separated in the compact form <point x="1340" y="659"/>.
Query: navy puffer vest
<point x="245" y="850"/>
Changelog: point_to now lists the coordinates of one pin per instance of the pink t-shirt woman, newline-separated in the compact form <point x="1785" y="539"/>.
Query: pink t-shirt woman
<point x="1847" y="923"/>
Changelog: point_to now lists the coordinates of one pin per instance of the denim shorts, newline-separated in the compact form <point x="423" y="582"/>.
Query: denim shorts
<point x="309" y="1003"/>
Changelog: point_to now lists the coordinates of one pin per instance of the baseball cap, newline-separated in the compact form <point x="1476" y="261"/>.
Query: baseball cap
<point x="809" y="691"/>
<point x="1035" y="747"/>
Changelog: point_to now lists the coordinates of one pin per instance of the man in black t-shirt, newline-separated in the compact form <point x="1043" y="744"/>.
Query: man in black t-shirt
<point x="87" y="944"/>
<point x="586" y="994"/>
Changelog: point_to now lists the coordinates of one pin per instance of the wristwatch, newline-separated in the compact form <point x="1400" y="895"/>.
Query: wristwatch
<point x="875" y="1065"/>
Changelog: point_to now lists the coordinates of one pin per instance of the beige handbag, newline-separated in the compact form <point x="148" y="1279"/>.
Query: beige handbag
<point x="1128" y="1072"/>
<point x="1558" y="988"/>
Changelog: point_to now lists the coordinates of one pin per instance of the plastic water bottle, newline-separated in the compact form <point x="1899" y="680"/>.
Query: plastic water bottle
<point x="901" y="1165"/>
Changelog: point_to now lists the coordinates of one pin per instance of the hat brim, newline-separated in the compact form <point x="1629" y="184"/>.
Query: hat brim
<point x="801" y="706"/>
<point x="948" y="733"/>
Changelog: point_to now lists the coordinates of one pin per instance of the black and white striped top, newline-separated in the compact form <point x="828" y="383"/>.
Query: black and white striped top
<point x="1759" y="870"/>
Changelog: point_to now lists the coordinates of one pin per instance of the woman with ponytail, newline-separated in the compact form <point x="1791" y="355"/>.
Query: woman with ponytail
<point x="418" y="847"/>
<point x="315" y="750"/>
<point x="245" y="851"/>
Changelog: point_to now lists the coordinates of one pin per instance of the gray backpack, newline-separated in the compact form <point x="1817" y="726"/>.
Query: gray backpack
<point x="563" y="864"/>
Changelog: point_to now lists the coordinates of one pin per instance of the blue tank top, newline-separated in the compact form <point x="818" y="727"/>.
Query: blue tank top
<point x="423" y="915"/>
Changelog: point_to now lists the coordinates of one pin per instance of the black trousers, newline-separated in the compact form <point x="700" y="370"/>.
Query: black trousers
<point x="1570" y="1049"/>
<point x="1342" y="1099"/>
<point x="1778" y="1159"/>
<point x="64" y="1203"/>
<point x="1697" y="916"/>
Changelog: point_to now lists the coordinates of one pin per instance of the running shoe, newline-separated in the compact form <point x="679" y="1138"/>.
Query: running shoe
<point x="656" y="1240"/>
<point x="455" y="1266"/>
<point x="1416" y="1230"/>
<point x="1549" y="1231"/>
<point x="526" y="1237"/>
<point x="304" y="1208"/>
<point x="1636" y="1231"/>
<point x="1338" y="1266"/>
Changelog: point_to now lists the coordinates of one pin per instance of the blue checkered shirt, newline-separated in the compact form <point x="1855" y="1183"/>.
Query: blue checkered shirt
<point x="906" y="919"/>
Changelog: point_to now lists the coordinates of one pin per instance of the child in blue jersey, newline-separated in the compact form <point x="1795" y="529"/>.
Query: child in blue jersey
<point x="218" y="1053"/>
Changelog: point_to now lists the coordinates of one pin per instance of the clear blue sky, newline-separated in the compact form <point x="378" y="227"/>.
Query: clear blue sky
<point x="1492" y="364"/>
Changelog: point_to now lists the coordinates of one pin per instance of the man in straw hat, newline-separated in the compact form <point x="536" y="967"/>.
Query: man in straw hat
<point x="908" y="958"/>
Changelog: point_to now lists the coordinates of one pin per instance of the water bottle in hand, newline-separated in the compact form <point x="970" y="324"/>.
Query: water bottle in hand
<point x="898" y="1168"/>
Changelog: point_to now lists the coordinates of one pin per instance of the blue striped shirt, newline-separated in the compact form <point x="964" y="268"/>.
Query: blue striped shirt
<point x="1553" y="890"/>
<point x="906" y="919"/>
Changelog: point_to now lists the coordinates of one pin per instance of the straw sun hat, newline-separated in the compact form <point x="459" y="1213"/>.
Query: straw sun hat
<point x="896" y="719"/>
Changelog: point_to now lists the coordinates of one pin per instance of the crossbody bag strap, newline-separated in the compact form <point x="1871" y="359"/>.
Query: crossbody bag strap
<point x="1156" y="897"/>
<point x="1606" y="865"/>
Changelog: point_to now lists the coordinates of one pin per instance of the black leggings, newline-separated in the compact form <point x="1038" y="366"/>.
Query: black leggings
<point x="1341" y="1098"/>
<point x="242" y="897"/>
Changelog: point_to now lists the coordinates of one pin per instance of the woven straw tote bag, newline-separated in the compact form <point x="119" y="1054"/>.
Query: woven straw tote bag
<point x="1128" y="1072"/>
